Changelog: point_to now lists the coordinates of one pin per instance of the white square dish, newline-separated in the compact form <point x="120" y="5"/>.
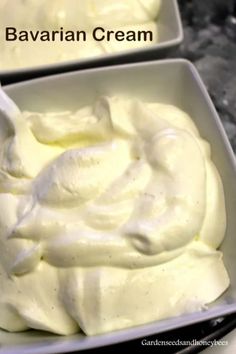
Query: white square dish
<point x="170" y="81"/>
<point x="170" y="36"/>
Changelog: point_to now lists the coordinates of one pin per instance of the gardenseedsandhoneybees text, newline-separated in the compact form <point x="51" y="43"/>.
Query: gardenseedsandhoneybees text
<point x="98" y="34"/>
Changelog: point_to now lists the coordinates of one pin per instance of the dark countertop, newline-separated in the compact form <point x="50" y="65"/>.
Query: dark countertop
<point x="210" y="43"/>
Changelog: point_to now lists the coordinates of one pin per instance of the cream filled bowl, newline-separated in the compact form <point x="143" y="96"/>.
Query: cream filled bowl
<point x="115" y="217"/>
<point x="105" y="214"/>
<point x="49" y="34"/>
<point x="58" y="31"/>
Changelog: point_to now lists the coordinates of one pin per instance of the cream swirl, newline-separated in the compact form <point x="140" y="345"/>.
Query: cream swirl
<point x="115" y="177"/>
<point x="106" y="213"/>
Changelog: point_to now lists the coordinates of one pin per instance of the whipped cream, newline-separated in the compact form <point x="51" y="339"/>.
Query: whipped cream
<point x="32" y="15"/>
<point x="110" y="218"/>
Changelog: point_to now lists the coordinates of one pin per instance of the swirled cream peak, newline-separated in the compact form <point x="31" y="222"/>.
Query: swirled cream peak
<point x="113" y="213"/>
<point x="62" y="17"/>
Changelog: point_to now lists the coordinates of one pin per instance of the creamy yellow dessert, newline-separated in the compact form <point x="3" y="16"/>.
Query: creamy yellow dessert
<point x="110" y="218"/>
<point x="34" y="33"/>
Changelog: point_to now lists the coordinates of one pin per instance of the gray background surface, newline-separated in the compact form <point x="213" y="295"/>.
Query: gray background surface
<point x="210" y="43"/>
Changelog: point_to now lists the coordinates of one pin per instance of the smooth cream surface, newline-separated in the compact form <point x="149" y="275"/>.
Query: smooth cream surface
<point x="110" y="218"/>
<point x="83" y="15"/>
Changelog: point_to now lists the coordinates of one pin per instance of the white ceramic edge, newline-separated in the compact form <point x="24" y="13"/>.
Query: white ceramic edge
<point x="105" y="69"/>
<point x="72" y="344"/>
<point x="99" y="60"/>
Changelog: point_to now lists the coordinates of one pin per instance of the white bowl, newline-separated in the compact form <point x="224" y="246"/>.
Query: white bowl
<point x="170" y="81"/>
<point x="170" y="36"/>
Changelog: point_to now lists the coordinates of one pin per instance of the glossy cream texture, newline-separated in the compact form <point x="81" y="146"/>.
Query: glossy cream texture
<point x="110" y="218"/>
<point x="81" y="15"/>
